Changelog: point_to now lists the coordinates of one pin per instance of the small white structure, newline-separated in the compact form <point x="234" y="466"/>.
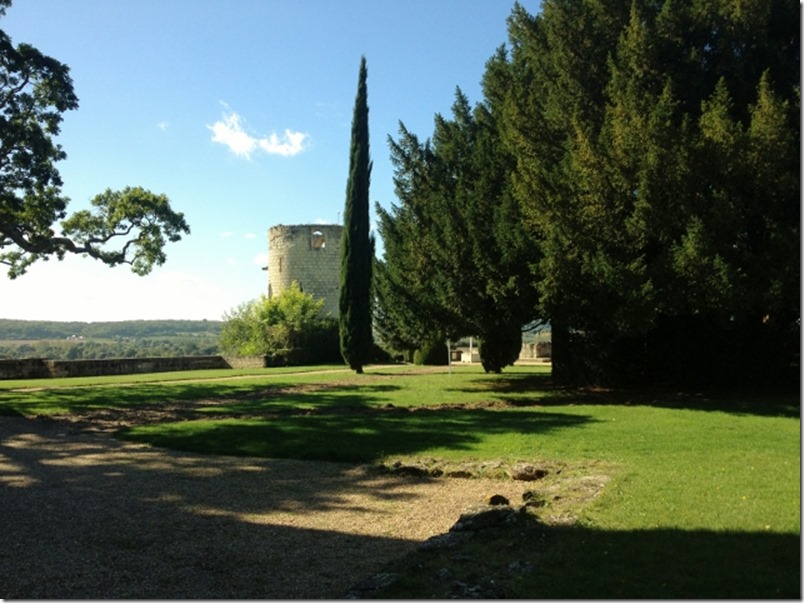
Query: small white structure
<point x="469" y="357"/>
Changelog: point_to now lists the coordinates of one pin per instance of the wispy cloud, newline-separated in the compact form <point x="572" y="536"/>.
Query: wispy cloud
<point x="334" y="112"/>
<point x="230" y="131"/>
<point x="163" y="125"/>
<point x="249" y="235"/>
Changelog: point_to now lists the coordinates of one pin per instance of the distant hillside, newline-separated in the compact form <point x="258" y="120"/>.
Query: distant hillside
<point x="134" y="329"/>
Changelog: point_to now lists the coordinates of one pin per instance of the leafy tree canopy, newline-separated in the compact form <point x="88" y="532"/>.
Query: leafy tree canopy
<point x="35" y="91"/>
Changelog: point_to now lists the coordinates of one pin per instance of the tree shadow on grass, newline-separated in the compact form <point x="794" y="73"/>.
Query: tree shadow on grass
<point x="514" y="390"/>
<point x="532" y="560"/>
<point x="89" y="517"/>
<point x="350" y="422"/>
<point x="675" y="564"/>
<point x="273" y="395"/>
<point x="349" y="436"/>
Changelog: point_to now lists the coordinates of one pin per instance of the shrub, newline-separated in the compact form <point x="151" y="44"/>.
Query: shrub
<point x="500" y="348"/>
<point x="288" y="328"/>
<point x="432" y="352"/>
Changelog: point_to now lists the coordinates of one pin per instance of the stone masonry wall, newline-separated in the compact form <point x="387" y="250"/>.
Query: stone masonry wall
<point x="42" y="368"/>
<point x="23" y="368"/>
<point x="129" y="366"/>
<point x="309" y="254"/>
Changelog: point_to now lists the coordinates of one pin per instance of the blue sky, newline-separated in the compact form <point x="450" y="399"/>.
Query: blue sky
<point x="240" y="112"/>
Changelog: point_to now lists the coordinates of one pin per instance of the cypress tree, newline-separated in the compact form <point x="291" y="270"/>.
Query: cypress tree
<point x="356" y="245"/>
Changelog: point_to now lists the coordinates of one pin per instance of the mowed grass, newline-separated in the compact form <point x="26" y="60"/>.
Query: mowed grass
<point x="703" y="499"/>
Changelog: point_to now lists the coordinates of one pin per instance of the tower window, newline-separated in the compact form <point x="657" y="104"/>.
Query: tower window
<point x="318" y="240"/>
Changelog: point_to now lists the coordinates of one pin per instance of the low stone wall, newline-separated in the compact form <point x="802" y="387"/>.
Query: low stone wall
<point x="42" y="368"/>
<point x="241" y="362"/>
<point x="24" y="368"/>
<point x="129" y="366"/>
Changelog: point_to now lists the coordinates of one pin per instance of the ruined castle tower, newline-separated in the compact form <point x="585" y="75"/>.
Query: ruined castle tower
<point x="309" y="254"/>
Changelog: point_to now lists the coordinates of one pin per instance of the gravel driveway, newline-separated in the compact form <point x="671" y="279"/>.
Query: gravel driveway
<point x="85" y="516"/>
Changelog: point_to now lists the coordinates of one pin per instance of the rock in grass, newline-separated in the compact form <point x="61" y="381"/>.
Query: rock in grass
<point x="481" y="517"/>
<point x="527" y="472"/>
<point x="370" y="587"/>
<point x="532" y="498"/>
<point x="464" y="590"/>
<point x="462" y="473"/>
<point x="444" y="541"/>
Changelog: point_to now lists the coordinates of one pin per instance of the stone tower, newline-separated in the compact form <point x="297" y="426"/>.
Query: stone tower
<point x="309" y="254"/>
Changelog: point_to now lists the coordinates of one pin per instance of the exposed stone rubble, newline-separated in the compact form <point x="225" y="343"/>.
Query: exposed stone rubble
<point x="495" y="511"/>
<point x="519" y="471"/>
<point x="527" y="472"/>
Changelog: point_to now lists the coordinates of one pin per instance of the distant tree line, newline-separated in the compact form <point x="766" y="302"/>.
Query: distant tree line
<point x="40" y="329"/>
<point x="118" y="339"/>
<point x="91" y="349"/>
<point x="631" y="176"/>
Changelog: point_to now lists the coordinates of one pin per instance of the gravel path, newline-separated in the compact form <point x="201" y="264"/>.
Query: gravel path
<point x="85" y="516"/>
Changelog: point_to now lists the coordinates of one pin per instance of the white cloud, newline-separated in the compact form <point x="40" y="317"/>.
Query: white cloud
<point x="163" y="125"/>
<point x="226" y="235"/>
<point x="261" y="259"/>
<point x="229" y="131"/>
<point x="249" y="235"/>
<point x="291" y="144"/>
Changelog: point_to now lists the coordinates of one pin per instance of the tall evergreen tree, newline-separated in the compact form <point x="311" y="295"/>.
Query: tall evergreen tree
<point x="357" y="248"/>
<point x="637" y="164"/>
<point x="657" y="158"/>
<point x="455" y="262"/>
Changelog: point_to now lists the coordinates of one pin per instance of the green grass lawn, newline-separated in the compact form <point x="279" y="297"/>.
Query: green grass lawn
<point x="704" y="493"/>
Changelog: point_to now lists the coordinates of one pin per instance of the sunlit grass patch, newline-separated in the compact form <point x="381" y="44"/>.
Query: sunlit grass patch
<point x="687" y="483"/>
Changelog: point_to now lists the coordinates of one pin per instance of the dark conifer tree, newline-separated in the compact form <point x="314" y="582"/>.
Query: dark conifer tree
<point x="456" y="262"/>
<point x="657" y="150"/>
<point x="356" y="245"/>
